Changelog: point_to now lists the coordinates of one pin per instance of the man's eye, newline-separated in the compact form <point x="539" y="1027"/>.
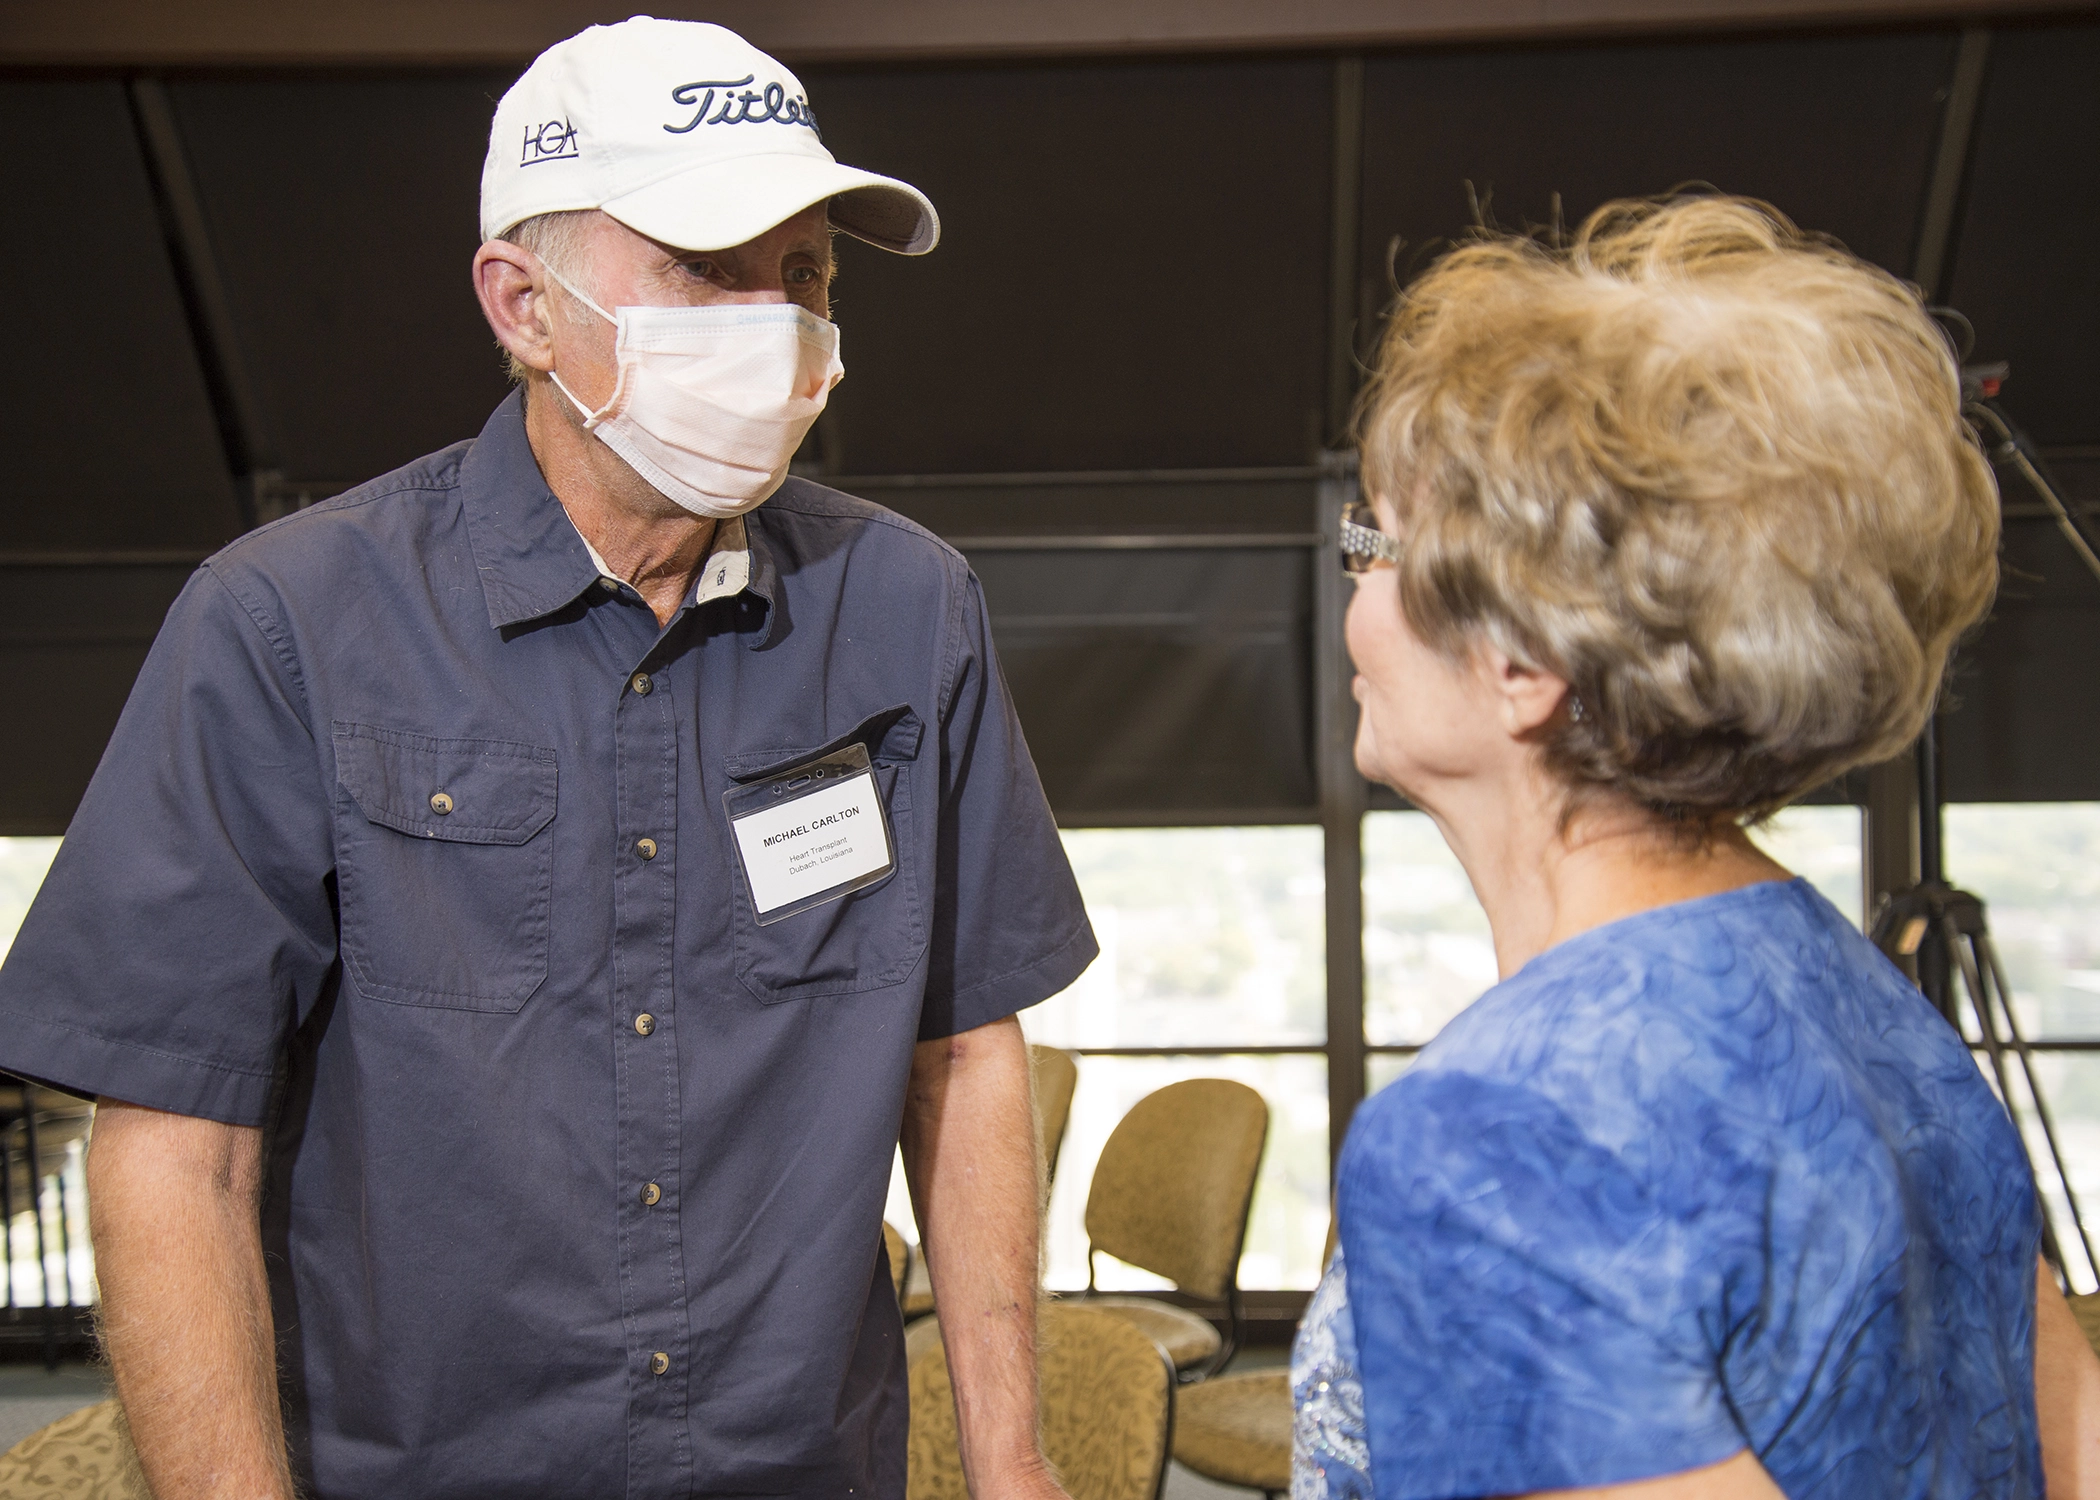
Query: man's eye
<point x="704" y="269"/>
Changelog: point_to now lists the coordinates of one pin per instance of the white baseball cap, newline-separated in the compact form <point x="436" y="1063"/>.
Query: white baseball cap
<point x="684" y="132"/>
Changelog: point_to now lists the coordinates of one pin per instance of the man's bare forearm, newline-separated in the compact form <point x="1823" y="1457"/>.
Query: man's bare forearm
<point x="970" y="1155"/>
<point x="175" y="1208"/>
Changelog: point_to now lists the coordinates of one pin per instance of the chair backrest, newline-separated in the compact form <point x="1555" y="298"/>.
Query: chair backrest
<point x="1171" y="1190"/>
<point x="2085" y="1308"/>
<point x="900" y="1256"/>
<point x="1107" y="1409"/>
<point x="84" y="1456"/>
<point x="1056" y="1076"/>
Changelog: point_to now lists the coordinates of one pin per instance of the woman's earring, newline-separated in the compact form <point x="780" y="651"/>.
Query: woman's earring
<point x="1574" y="709"/>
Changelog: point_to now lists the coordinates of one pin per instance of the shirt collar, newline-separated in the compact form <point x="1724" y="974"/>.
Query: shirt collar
<point x="532" y="559"/>
<point x="724" y="575"/>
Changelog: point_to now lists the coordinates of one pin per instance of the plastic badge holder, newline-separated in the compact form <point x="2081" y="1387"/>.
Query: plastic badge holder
<point x="810" y="834"/>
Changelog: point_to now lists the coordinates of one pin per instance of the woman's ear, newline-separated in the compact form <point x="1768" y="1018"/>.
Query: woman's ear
<point x="1529" y="697"/>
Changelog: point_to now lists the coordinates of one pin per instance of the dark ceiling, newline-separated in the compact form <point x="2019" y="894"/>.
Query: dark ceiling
<point x="1136" y="275"/>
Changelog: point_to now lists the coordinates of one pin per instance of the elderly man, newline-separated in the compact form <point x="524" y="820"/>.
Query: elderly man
<point x="526" y="896"/>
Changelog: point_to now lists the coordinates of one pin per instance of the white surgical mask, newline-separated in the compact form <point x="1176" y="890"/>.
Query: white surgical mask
<point x="712" y="402"/>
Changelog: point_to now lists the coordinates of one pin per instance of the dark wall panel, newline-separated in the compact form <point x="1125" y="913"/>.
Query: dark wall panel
<point x="2027" y="267"/>
<point x="2025" y="721"/>
<point x="344" y="214"/>
<point x="1837" y="132"/>
<point x="1241" y="504"/>
<point x="1131" y="274"/>
<point x="110" y="438"/>
<point x="1156" y="635"/>
<point x="71" y="641"/>
<point x="1159" y="680"/>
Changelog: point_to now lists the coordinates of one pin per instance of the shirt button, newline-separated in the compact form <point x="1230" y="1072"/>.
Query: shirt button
<point x="610" y="585"/>
<point x="646" y="848"/>
<point x="652" y="1195"/>
<point x="441" y="803"/>
<point x="641" y="684"/>
<point x="659" y="1363"/>
<point x="645" y="1023"/>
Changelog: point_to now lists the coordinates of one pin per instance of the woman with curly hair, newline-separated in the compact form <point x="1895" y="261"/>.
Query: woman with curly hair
<point x="1703" y="1199"/>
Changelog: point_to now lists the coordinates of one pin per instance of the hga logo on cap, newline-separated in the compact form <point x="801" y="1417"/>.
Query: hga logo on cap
<point x="773" y="106"/>
<point x="551" y="140"/>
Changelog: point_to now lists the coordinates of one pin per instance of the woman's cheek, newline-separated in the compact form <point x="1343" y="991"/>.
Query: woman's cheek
<point x="1373" y="603"/>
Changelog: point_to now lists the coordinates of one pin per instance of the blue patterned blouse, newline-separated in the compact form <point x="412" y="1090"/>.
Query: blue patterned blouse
<point x="1711" y="1177"/>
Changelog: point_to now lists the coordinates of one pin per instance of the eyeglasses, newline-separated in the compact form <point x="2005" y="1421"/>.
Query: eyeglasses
<point x="1361" y="541"/>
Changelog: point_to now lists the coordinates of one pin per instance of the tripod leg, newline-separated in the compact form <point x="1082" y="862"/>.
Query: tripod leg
<point x="1949" y="937"/>
<point x="1986" y="1020"/>
<point x="1985" y="958"/>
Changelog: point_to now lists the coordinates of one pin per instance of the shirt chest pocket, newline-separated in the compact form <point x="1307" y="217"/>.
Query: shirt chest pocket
<point x="868" y="940"/>
<point x="444" y="867"/>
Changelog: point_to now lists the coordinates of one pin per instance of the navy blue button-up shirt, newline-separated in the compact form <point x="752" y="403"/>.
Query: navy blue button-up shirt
<point x="578" y="1171"/>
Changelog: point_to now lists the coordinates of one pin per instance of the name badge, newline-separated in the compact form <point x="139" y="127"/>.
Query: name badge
<point x="811" y="834"/>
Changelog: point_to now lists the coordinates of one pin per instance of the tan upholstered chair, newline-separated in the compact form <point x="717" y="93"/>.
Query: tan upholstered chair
<point x="898" y="1249"/>
<point x="1056" y="1074"/>
<point x="1170" y="1195"/>
<point x="1236" y="1429"/>
<point x="1108" y="1408"/>
<point x="1056" y="1077"/>
<point x="2085" y="1307"/>
<point x="86" y="1456"/>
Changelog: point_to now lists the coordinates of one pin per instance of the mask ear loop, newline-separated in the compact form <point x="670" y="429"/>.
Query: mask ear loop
<point x="590" y="418"/>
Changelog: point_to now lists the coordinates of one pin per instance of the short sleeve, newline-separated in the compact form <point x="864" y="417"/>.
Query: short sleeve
<point x="187" y="923"/>
<point x="1009" y="929"/>
<point x="1527" y="1315"/>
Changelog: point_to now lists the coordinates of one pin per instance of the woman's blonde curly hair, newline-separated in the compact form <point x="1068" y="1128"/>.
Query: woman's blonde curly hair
<point x="1710" y="470"/>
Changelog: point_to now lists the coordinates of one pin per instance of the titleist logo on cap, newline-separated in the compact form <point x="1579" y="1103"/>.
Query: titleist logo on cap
<point x="771" y="106"/>
<point x="645" y="119"/>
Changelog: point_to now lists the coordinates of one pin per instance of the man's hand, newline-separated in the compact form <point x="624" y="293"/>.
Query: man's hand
<point x="970" y="1156"/>
<point x="174" y="1207"/>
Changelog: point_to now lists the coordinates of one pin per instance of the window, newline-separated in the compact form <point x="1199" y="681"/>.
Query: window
<point x="1427" y="951"/>
<point x="2037" y="867"/>
<point x="23" y="865"/>
<point x="1212" y="966"/>
<point x="1824" y="846"/>
<point x="1210" y="938"/>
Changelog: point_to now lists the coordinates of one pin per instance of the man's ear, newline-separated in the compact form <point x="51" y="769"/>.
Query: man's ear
<point x="512" y="288"/>
<point x="1529" y="696"/>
